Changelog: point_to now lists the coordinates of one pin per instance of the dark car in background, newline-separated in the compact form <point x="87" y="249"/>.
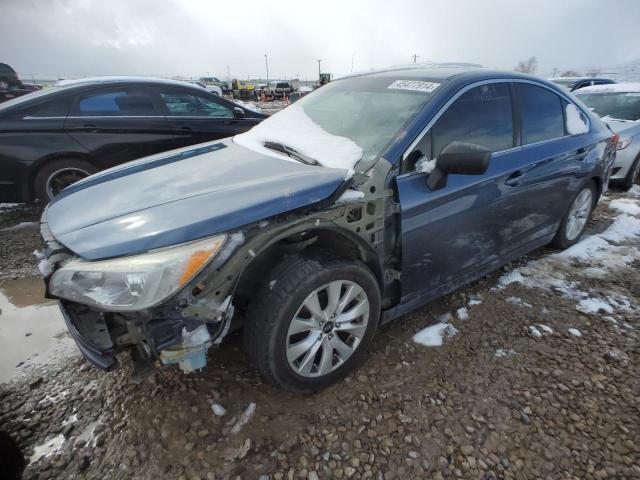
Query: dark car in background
<point x="54" y="137"/>
<point x="576" y="83"/>
<point x="360" y="202"/>
<point x="10" y="84"/>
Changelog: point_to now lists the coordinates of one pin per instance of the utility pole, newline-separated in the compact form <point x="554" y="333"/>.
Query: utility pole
<point x="266" y="63"/>
<point x="319" y="69"/>
<point x="415" y="58"/>
<point x="353" y="56"/>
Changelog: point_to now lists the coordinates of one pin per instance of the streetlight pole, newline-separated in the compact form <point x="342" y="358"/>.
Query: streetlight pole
<point x="415" y="58"/>
<point x="319" y="69"/>
<point x="266" y="63"/>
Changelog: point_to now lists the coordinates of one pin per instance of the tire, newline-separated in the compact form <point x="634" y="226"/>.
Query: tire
<point x="58" y="174"/>
<point x="633" y="175"/>
<point x="568" y="235"/>
<point x="269" y="336"/>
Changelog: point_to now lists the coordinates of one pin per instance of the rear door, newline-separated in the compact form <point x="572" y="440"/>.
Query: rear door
<point x="119" y="124"/>
<point x="200" y="117"/>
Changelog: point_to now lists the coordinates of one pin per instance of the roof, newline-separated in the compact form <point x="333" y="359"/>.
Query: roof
<point x="119" y="79"/>
<point x="577" y="79"/>
<point x="611" y="88"/>
<point x="430" y="70"/>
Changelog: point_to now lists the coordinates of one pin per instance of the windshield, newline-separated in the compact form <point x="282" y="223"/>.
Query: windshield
<point x="343" y="122"/>
<point x="621" y="105"/>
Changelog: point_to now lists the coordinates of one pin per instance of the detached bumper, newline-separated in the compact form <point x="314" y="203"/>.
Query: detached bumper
<point x="101" y="357"/>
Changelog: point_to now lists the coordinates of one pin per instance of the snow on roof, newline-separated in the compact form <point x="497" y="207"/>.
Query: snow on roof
<point x="413" y="66"/>
<point x="611" y="88"/>
<point x="115" y="78"/>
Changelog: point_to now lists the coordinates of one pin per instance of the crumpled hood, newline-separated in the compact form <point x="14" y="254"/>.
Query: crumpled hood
<point x="180" y="196"/>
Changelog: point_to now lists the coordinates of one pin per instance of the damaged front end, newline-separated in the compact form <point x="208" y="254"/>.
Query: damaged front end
<point x="178" y="329"/>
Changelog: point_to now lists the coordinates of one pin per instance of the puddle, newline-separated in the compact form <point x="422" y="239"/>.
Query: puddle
<point x="49" y="447"/>
<point x="31" y="328"/>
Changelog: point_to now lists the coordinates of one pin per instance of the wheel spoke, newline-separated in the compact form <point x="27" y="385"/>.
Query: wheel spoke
<point x="343" y="350"/>
<point x="333" y="292"/>
<point x="299" y="325"/>
<point x="326" y="359"/>
<point x="312" y="303"/>
<point x="355" y="312"/>
<point x="306" y="364"/>
<point x="355" y="329"/>
<point x="348" y="297"/>
<point x="297" y="349"/>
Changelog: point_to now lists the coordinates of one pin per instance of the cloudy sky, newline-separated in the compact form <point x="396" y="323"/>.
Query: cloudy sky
<point x="69" y="38"/>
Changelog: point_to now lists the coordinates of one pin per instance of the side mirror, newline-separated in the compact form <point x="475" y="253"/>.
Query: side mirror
<point x="238" y="112"/>
<point x="459" y="158"/>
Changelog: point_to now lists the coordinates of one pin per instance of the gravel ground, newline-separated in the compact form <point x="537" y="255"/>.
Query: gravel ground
<point x="503" y="398"/>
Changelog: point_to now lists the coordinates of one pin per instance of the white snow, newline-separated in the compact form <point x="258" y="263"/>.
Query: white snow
<point x="545" y="328"/>
<point x="474" y="301"/>
<point x="501" y="352"/>
<point x="432" y="336"/>
<point x="634" y="191"/>
<point x="577" y="123"/>
<point x="21" y="226"/>
<point x="627" y="87"/>
<point x="575" y="332"/>
<point x="350" y="195"/>
<point x="49" y="447"/>
<point x="244" y="418"/>
<point x="462" y="313"/>
<point x="424" y="165"/>
<point x="248" y="105"/>
<point x="292" y="127"/>
<point x="304" y="89"/>
<point x="534" y="332"/>
<point x="626" y="205"/>
<point x="594" y="306"/>
<point x="45" y="267"/>
<point x="218" y="409"/>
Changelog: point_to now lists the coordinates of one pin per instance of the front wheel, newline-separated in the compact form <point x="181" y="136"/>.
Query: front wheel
<point x="575" y="221"/>
<point x="57" y="175"/>
<point x="311" y="323"/>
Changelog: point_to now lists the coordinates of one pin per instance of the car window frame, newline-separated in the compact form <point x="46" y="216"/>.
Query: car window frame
<point x="113" y="88"/>
<point x="517" y="118"/>
<point x="563" y="110"/>
<point x="159" y="90"/>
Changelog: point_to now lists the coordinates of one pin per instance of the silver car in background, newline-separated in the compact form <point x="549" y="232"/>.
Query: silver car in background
<point x="619" y="106"/>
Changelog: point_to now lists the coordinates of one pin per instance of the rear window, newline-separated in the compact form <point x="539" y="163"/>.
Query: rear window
<point x="541" y="110"/>
<point x="116" y="103"/>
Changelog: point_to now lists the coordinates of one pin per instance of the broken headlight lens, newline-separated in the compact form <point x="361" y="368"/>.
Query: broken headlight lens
<point x="136" y="282"/>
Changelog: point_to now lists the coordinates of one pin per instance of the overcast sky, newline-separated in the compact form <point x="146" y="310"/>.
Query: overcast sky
<point x="69" y="38"/>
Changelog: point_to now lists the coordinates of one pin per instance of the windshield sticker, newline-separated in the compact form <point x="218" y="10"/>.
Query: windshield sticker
<point x="414" y="85"/>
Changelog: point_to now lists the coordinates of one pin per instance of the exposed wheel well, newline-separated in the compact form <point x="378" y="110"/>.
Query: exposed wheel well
<point x="598" y="182"/>
<point x="321" y="241"/>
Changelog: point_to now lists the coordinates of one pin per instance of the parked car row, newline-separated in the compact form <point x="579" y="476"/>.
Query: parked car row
<point x="362" y="201"/>
<point x="52" y="138"/>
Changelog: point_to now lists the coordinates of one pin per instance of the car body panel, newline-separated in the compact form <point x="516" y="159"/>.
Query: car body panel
<point x="626" y="157"/>
<point x="177" y="198"/>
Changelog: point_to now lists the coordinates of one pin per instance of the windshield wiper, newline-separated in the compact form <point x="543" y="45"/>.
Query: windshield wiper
<point x="282" y="148"/>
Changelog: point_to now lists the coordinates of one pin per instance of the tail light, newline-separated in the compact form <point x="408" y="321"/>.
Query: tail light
<point x="615" y="139"/>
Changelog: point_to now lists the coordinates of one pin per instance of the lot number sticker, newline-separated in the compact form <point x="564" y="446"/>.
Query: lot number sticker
<point x="414" y="85"/>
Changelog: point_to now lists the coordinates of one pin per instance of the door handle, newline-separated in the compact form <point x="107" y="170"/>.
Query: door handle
<point x="89" y="127"/>
<point x="514" y="179"/>
<point x="581" y="153"/>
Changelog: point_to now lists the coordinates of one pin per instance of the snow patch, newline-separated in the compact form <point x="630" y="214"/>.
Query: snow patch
<point x="433" y="336"/>
<point x="292" y="127"/>
<point x="545" y="328"/>
<point x="575" y="332"/>
<point x="501" y="352"/>
<point x="244" y="418"/>
<point x="21" y="226"/>
<point x="626" y="205"/>
<point x="462" y="313"/>
<point x="534" y="332"/>
<point x="576" y="120"/>
<point x="594" y="306"/>
<point x="218" y="410"/>
<point x="350" y="196"/>
<point x="424" y="165"/>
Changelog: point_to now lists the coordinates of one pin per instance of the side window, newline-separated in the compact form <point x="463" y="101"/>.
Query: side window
<point x="483" y="116"/>
<point x="55" y="108"/>
<point x="116" y="103"/>
<point x="193" y="105"/>
<point x="541" y="111"/>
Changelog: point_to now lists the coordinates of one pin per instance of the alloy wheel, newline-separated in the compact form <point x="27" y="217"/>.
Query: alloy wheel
<point x="579" y="214"/>
<point x="327" y="328"/>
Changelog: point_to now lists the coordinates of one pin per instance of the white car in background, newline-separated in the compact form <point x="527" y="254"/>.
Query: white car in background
<point x="619" y="106"/>
<point x="209" y="88"/>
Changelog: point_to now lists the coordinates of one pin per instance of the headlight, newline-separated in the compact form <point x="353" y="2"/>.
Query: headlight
<point x="136" y="282"/>
<point x="624" y="143"/>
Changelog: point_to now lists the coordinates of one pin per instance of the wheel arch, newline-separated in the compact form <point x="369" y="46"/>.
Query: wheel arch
<point x="35" y="167"/>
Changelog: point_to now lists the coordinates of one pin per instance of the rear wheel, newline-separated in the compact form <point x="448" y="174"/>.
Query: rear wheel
<point x="633" y="176"/>
<point x="311" y="323"/>
<point x="58" y="175"/>
<point x="575" y="221"/>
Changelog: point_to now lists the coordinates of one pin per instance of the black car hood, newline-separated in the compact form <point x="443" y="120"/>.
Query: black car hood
<point x="181" y="196"/>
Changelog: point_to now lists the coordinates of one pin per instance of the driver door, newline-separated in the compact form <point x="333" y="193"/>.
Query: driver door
<point x="452" y="233"/>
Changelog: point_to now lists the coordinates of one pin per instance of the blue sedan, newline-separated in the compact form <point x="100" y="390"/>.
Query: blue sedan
<point x="364" y="200"/>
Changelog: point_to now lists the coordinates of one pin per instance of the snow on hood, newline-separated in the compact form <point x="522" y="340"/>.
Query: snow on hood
<point x="293" y="128"/>
<point x="628" y="87"/>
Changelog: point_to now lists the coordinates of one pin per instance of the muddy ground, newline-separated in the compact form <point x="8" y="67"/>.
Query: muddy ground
<point x="514" y="394"/>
